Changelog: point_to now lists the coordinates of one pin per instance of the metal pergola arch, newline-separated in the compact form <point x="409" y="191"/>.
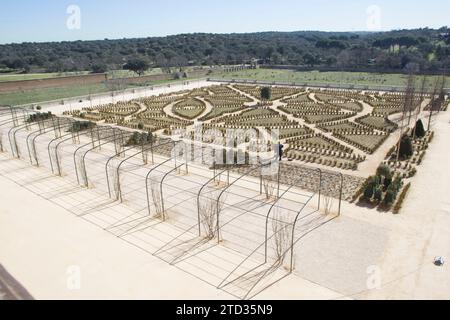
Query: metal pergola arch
<point x="279" y="198"/>
<point x="38" y="133"/>
<point x="12" y="141"/>
<point x="15" y="137"/>
<point x="123" y="151"/>
<point x="290" y="248"/>
<point x="57" y="146"/>
<point x="153" y="169"/>
<point x="118" y="153"/>
<point x="103" y="129"/>
<point x="165" y="175"/>
<point x="88" y="151"/>
<point x="14" y="119"/>
<point x="260" y="166"/>
<point x="130" y="157"/>
<point x="200" y="191"/>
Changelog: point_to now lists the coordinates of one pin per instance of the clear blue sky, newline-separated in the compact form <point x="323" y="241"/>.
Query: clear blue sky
<point x="45" y="20"/>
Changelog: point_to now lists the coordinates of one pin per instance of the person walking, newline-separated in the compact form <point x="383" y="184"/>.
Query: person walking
<point x="280" y="151"/>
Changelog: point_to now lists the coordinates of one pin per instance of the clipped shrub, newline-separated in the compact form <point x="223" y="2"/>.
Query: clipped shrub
<point x="389" y="197"/>
<point x="397" y="184"/>
<point x="79" y="126"/>
<point x="360" y="190"/>
<point x="138" y="139"/>
<point x="384" y="170"/>
<point x="406" y="147"/>
<point x="371" y="186"/>
<point x="387" y="182"/>
<point x="378" y="194"/>
<point x="35" y="117"/>
<point x="266" y="93"/>
<point x="419" y="130"/>
<point x="401" y="198"/>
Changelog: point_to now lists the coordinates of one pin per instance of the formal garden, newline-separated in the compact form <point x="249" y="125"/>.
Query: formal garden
<point x="332" y="128"/>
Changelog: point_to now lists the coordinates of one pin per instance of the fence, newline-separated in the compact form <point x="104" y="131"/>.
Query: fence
<point x="346" y="86"/>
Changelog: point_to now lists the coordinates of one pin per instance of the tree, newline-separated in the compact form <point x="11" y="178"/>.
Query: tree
<point x="384" y="170"/>
<point x="419" y="105"/>
<point x="378" y="194"/>
<point x="137" y="65"/>
<point x="385" y="175"/>
<point x="408" y="98"/>
<point x="406" y="147"/>
<point x="293" y="48"/>
<point x="436" y="96"/>
<point x="419" y="130"/>
<point x="99" y="68"/>
<point x="266" y="93"/>
<point x="309" y="59"/>
<point x="372" y="185"/>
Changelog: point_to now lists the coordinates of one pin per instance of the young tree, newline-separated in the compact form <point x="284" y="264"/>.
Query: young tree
<point x="410" y="97"/>
<point x="282" y="234"/>
<point x="437" y="98"/>
<point x="208" y="208"/>
<point x="269" y="184"/>
<point x="419" y="104"/>
<point x="158" y="200"/>
<point x="407" y="105"/>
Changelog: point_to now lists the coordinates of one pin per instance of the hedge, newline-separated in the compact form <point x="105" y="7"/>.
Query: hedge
<point x="401" y="198"/>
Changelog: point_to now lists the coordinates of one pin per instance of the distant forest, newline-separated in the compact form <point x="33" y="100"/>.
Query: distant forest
<point x="422" y="49"/>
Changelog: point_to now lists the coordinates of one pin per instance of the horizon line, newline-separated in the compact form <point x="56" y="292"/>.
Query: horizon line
<point x="218" y="33"/>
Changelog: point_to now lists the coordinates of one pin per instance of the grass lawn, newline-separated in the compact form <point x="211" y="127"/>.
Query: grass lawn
<point x="112" y="74"/>
<point x="33" y="76"/>
<point x="360" y="78"/>
<point x="49" y="94"/>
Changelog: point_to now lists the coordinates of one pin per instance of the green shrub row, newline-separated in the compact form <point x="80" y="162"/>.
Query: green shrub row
<point x="401" y="198"/>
